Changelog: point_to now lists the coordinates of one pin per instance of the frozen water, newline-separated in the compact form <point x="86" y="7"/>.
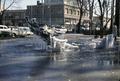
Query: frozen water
<point x="19" y="61"/>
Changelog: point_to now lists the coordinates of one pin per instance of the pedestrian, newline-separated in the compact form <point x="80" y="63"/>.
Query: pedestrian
<point x="115" y="32"/>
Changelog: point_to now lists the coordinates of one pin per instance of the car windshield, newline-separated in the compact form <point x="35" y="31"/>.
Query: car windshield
<point x="1" y="27"/>
<point x="58" y="26"/>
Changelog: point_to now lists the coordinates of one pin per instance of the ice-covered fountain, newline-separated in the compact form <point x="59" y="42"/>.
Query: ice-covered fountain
<point x="69" y="42"/>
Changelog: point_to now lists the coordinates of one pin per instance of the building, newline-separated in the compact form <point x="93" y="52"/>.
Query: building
<point x="50" y="12"/>
<point x="15" y="17"/>
<point x="56" y="12"/>
<point x="45" y="14"/>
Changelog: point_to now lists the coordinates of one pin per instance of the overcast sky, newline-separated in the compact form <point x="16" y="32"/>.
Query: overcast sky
<point x="22" y="4"/>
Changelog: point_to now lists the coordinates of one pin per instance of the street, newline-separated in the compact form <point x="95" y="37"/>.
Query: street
<point x="27" y="59"/>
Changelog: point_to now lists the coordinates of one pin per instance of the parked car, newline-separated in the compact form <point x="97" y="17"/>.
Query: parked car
<point x="85" y="28"/>
<point x="4" y="28"/>
<point x="23" y="31"/>
<point x="5" y="31"/>
<point x="20" y="31"/>
<point x="97" y="28"/>
<point x="60" y="29"/>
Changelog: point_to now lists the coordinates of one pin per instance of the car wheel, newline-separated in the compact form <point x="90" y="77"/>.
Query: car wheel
<point x="13" y="35"/>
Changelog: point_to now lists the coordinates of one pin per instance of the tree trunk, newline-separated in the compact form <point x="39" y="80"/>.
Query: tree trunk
<point x="101" y="25"/>
<point x="91" y="19"/>
<point x="91" y="5"/>
<point x="112" y="17"/>
<point x="91" y="24"/>
<point x="80" y="21"/>
<point x="117" y="17"/>
<point x="1" y="19"/>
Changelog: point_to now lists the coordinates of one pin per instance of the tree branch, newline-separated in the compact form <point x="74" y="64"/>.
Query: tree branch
<point x="10" y="5"/>
<point x="4" y="4"/>
<point x="100" y="6"/>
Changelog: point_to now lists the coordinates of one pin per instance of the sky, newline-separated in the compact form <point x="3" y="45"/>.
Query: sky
<point x="22" y="4"/>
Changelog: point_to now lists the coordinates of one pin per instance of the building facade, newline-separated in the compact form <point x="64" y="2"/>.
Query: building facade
<point x="50" y="12"/>
<point x="45" y="14"/>
<point x="15" y="17"/>
<point x="55" y="12"/>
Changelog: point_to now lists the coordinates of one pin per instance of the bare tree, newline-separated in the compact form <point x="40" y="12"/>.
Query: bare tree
<point x="117" y="16"/>
<point x="104" y="8"/>
<point x="91" y="8"/>
<point x="112" y="15"/>
<point x="82" y="5"/>
<point x="5" y="5"/>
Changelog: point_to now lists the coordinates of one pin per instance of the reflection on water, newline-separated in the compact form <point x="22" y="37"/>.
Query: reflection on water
<point x="98" y="65"/>
<point x="19" y="61"/>
<point x="105" y="57"/>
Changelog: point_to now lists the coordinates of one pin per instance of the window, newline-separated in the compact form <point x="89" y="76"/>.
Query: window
<point x="5" y="27"/>
<point x="67" y="11"/>
<point x="84" y="14"/>
<point x="78" y="13"/>
<point x="74" y="12"/>
<point x="71" y="12"/>
<point x="1" y="27"/>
